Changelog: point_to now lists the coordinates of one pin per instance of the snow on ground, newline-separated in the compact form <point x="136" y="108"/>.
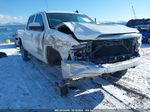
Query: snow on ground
<point x="30" y="85"/>
<point x="9" y="49"/>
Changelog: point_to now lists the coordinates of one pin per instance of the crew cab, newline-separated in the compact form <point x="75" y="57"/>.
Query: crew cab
<point x="80" y="46"/>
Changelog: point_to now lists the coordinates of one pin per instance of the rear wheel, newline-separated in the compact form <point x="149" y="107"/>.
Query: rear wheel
<point x="24" y="53"/>
<point x="16" y="42"/>
<point x="119" y="74"/>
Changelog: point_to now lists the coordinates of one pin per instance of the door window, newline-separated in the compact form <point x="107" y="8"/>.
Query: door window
<point x="39" y="19"/>
<point x="30" y="20"/>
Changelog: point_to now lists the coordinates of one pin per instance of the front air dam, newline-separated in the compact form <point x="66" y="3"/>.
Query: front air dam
<point x="82" y="69"/>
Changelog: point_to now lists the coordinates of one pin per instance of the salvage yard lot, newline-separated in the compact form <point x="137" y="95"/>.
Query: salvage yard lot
<point x="31" y="85"/>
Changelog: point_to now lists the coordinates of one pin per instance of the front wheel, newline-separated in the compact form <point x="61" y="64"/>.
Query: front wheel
<point x="54" y="59"/>
<point x="62" y="90"/>
<point x="119" y="74"/>
<point x="24" y="54"/>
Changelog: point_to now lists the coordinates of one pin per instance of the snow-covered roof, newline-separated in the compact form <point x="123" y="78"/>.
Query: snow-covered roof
<point x="61" y="12"/>
<point x="68" y="12"/>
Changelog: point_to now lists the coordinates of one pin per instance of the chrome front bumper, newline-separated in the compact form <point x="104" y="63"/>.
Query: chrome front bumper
<point x="77" y="69"/>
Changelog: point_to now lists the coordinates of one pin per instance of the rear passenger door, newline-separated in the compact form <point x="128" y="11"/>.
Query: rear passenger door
<point x="28" y="34"/>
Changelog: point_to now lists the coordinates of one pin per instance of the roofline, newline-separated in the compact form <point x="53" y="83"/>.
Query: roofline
<point x="59" y="12"/>
<point x="67" y="12"/>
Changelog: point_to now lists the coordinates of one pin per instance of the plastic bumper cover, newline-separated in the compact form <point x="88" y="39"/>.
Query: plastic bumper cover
<point x="77" y="69"/>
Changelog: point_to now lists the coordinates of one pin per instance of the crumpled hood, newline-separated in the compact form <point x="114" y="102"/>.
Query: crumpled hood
<point x="84" y="31"/>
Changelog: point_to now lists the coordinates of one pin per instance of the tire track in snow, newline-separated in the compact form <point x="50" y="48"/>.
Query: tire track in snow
<point x="84" y="87"/>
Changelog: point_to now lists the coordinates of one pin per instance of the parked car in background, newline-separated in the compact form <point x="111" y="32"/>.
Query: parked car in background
<point x="135" y="22"/>
<point x="145" y="31"/>
<point x="143" y="25"/>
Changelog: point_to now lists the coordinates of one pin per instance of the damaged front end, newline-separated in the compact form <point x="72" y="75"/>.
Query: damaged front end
<point x="96" y="57"/>
<point x="105" y="53"/>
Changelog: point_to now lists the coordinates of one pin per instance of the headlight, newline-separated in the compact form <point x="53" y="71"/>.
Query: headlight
<point x="138" y="43"/>
<point x="79" y="51"/>
<point x="80" y="46"/>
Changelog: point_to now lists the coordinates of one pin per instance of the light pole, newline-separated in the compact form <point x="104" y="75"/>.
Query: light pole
<point x="133" y="10"/>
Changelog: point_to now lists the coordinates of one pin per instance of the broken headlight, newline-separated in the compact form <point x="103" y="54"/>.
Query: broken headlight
<point x="138" y="43"/>
<point x="80" y="51"/>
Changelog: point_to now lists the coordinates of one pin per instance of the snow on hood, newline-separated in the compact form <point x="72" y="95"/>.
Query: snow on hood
<point x="84" y="31"/>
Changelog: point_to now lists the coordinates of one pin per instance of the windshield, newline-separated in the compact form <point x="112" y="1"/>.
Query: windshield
<point x="55" y="19"/>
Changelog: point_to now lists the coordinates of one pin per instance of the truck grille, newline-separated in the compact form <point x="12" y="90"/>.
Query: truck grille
<point x="108" y="51"/>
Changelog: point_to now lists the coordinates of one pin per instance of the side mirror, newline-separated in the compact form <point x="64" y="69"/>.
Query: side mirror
<point x="36" y="26"/>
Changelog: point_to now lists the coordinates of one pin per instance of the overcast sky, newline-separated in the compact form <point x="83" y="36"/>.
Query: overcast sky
<point x="103" y="10"/>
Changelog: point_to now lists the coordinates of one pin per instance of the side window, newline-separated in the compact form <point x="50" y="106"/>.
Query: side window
<point x="30" y="20"/>
<point x="39" y="19"/>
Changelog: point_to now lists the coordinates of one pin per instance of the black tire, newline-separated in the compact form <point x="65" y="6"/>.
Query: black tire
<point x="148" y="40"/>
<point x="119" y="74"/>
<point x="16" y="44"/>
<point x="62" y="90"/>
<point x="24" y="54"/>
<point x="54" y="59"/>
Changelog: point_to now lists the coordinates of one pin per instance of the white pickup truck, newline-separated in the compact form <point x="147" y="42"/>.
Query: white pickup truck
<point x="82" y="47"/>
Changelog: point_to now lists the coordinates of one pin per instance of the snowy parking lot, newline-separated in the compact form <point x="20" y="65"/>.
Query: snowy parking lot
<point x="30" y="85"/>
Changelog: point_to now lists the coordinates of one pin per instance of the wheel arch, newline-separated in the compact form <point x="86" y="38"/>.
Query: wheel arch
<point x="51" y="49"/>
<point x="20" y="41"/>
